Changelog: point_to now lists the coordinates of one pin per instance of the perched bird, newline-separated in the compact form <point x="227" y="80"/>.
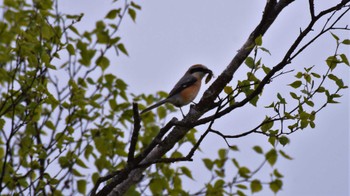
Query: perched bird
<point x="186" y="89"/>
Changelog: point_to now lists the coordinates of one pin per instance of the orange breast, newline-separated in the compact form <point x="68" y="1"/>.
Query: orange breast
<point x="190" y="93"/>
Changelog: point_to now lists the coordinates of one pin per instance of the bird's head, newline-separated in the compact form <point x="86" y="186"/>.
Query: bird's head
<point x="199" y="71"/>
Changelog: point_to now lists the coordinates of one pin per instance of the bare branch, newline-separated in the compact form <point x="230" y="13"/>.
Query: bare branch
<point x="135" y="133"/>
<point x="312" y="9"/>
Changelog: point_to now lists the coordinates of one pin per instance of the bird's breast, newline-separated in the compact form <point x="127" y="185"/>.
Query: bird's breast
<point x="189" y="94"/>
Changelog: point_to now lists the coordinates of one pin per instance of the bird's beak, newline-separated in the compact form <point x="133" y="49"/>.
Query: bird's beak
<point x="208" y="71"/>
<point x="210" y="75"/>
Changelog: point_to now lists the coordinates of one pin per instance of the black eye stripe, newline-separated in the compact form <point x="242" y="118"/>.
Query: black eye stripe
<point x="198" y="69"/>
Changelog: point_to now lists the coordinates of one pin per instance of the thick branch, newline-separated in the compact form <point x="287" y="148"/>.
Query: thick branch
<point x="271" y="11"/>
<point x="135" y="133"/>
<point x="158" y="148"/>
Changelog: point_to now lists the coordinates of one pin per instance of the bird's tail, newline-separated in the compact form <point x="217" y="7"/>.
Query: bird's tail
<point x="154" y="106"/>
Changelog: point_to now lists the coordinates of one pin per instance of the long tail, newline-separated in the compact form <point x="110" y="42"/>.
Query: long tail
<point x="154" y="106"/>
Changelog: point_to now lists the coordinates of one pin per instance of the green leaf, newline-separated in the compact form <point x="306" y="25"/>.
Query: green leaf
<point x="88" y="151"/>
<point x="244" y="172"/>
<point x="281" y="99"/>
<point x="296" y="84"/>
<point x="241" y="186"/>
<point x="234" y="148"/>
<point x="346" y="41"/>
<point x="122" y="48"/>
<point x="103" y="62"/>
<point x="74" y="30"/>
<point x="283" y="140"/>
<point x="294" y="96"/>
<point x="228" y="90"/>
<point x="156" y="186"/>
<point x="81" y="163"/>
<point x="132" y="14"/>
<point x="299" y="75"/>
<point x="219" y="184"/>
<point x="258" y="40"/>
<point x="266" y="69"/>
<point x="81" y="184"/>
<point x="265" y="50"/>
<point x="254" y="100"/>
<point x="2" y="124"/>
<point x="272" y="140"/>
<point x="276" y="185"/>
<point x="112" y="14"/>
<point x="335" y="36"/>
<point x="240" y="193"/>
<point x="249" y="61"/>
<point x="95" y="176"/>
<point x="315" y="75"/>
<point x="332" y="62"/>
<point x="49" y="124"/>
<point x="258" y="149"/>
<point x="64" y="162"/>
<point x="70" y="49"/>
<point x="277" y="173"/>
<point x="337" y="80"/>
<point x="344" y="59"/>
<point x="222" y="153"/>
<point x="77" y="173"/>
<point x="271" y="157"/>
<point x="235" y="162"/>
<point x="161" y="112"/>
<point x="285" y="155"/>
<point x="255" y="186"/>
<point x="208" y="163"/>
<point x="186" y="171"/>
<point x="267" y="125"/>
<point x="136" y="6"/>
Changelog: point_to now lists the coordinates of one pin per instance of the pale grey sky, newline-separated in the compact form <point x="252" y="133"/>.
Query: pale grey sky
<point x="169" y="36"/>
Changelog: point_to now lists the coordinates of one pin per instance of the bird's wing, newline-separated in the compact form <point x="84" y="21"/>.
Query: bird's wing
<point x="183" y="83"/>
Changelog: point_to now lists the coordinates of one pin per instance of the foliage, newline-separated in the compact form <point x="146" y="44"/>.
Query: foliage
<point x="67" y="124"/>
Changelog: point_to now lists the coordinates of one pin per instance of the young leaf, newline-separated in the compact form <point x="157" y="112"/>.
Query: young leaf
<point x="267" y="125"/>
<point x="283" y="140"/>
<point x="222" y="153"/>
<point x="344" y="59"/>
<point x="285" y="155"/>
<point x="103" y="62"/>
<point x="208" y="163"/>
<point x="228" y="90"/>
<point x="277" y="173"/>
<point x="112" y="14"/>
<point x="132" y="14"/>
<point x="271" y="157"/>
<point x="249" y="61"/>
<point x="255" y="186"/>
<point x="70" y="49"/>
<point x="244" y="172"/>
<point x="335" y="36"/>
<point x="122" y="48"/>
<point x="187" y="172"/>
<point x="258" y="149"/>
<point x="136" y="6"/>
<point x="296" y="84"/>
<point x="346" y="41"/>
<point x="258" y="40"/>
<point x="276" y="185"/>
<point x="81" y="184"/>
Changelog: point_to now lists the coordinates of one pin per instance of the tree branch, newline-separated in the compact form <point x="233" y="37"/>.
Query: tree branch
<point x="135" y="133"/>
<point x="158" y="148"/>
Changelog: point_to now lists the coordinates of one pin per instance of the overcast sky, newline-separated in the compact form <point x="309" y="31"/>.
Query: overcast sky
<point x="169" y="36"/>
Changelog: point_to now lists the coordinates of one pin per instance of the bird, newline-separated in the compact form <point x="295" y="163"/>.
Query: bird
<point x="186" y="89"/>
